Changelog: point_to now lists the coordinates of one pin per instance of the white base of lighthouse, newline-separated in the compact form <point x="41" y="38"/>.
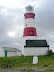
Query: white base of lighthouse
<point x="36" y="47"/>
<point x="31" y="51"/>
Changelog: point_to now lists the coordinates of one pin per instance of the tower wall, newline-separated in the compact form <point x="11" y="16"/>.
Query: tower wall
<point x="30" y="31"/>
<point x="29" y="22"/>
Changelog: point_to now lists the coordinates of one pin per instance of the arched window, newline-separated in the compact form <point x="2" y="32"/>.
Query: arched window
<point x="31" y="32"/>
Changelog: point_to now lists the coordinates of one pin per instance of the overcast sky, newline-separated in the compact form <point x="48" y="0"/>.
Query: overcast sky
<point x="12" y="21"/>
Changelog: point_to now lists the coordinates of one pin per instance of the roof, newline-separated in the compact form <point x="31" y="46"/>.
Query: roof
<point x="10" y="49"/>
<point x="36" y="43"/>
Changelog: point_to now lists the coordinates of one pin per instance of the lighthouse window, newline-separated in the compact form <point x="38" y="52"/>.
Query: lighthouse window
<point x="31" y="32"/>
<point x="26" y="16"/>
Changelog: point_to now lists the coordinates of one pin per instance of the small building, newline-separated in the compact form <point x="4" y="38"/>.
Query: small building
<point x="8" y="51"/>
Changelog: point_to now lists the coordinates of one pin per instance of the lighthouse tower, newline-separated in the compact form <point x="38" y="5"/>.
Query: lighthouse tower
<point x="29" y="25"/>
<point x="32" y="45"/>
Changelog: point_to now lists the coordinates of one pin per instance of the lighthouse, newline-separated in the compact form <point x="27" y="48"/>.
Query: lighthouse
<point x="30" y="32"/>
<point x="29" y="25"/>
<point x="32" y="45"/>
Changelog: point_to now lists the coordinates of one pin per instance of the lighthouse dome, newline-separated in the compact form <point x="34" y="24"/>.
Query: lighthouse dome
<point x="29" y="8"/>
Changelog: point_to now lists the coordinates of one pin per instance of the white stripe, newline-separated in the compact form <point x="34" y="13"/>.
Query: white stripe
<point x="29" y="22"/>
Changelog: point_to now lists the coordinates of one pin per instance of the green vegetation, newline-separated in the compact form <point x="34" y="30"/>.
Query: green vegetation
<point x="15" y="61"/>
<point x="45" y="62"/>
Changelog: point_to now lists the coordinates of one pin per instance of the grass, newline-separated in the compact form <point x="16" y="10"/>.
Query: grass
<point x="46" y="62"/>
<point x="15" y="61"/>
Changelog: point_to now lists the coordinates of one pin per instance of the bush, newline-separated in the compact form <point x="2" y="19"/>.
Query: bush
<point x="22" y="55"/>
<point x="50" y="52"/>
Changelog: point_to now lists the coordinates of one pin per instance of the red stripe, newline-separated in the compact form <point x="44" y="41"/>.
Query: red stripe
<point x="27" y="31"/>
<point x="29" y="15"/>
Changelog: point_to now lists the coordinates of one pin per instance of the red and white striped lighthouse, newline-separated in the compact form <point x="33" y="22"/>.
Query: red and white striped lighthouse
<point x="32" y="45"/>
<point x="29" y="25"/>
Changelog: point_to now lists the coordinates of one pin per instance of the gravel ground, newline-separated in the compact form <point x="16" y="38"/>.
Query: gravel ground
<point x="30" y="69"/>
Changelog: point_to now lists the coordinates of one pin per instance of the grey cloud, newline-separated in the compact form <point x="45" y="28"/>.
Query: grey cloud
<point x="45" y="18"/>
<point x="7" y="23"/>
<point x="44" y="21"/>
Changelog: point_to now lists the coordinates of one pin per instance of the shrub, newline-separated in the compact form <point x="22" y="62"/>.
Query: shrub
<point x="22" y="55"/>
<point x="50" y="52"/>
